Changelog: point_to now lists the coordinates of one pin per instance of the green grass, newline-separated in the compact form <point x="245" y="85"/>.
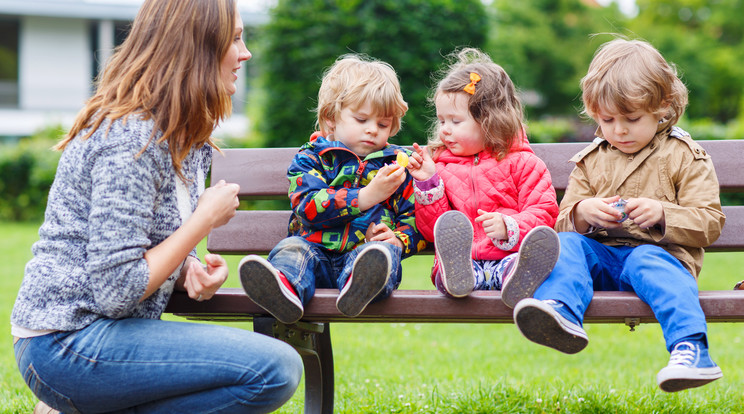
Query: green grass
<point x="471" y="368"/>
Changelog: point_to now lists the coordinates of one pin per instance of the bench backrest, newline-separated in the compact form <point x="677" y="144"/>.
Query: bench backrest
<point x="261" y="174"/>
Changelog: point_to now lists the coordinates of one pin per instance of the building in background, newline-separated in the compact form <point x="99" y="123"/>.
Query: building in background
<point x="51" y="50"/>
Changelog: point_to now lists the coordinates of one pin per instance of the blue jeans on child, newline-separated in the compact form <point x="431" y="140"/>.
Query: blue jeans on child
<point x="308" y="266"/>
<point x="657" y="277"/>
<point x="154" y="366"/>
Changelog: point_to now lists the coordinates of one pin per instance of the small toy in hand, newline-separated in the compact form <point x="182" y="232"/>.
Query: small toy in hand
<point x="402" y="159"/>
<point x="619" y="205"/>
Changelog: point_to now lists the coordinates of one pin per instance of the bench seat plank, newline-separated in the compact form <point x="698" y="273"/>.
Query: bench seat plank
<point x="231" y="304"/>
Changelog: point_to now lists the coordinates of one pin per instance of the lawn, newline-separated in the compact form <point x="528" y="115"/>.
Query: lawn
<point x="470" y="368"/>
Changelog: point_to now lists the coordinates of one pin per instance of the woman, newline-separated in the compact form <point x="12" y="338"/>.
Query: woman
<point x="124" y="216"/>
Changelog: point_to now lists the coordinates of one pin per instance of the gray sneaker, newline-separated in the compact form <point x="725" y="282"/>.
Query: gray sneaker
<point x="369" y="275"/>
<point x="536" y="258"/>
<point x="453" y="244"/>
<point x="550" y="323"/>
<point x="270" y="289"/>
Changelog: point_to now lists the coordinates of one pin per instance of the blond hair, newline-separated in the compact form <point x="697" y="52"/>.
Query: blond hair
<point x="630" y="75"/>
<point x="494" y="105"/>
<point x="357" y="79"/>
<point x="168" y="70"/>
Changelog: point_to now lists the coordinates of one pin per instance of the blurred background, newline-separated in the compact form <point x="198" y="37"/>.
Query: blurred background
<point x="52" y="50"/>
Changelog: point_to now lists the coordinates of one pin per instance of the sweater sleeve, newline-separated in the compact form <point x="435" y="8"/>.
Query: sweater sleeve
<point x="314" y="200"/>
<point x="124" y="191"/>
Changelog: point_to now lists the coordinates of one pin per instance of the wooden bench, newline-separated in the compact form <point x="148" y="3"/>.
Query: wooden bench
<point x="261" y="175"/>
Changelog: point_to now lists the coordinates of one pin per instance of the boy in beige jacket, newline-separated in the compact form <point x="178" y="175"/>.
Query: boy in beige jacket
<point x="640" y="206"/>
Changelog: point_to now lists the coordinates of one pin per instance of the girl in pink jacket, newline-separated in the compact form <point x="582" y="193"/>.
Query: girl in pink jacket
<point x="482" y="195"/>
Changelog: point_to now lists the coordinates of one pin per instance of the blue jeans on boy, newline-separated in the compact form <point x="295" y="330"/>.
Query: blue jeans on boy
<point x="658" y="278"/>
<point x="308" y="266"/>
<point x="155" y="366"/>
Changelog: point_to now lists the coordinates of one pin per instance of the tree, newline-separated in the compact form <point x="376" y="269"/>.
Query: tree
<point x="304" y="37"/>
<point x="546" y="47"/>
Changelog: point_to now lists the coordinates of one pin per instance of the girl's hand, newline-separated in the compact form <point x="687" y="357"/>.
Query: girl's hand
<point x="493" y="224"/>
<point x="645" y="212"/>
<point x="381" y="232"/>
<point x="200" y="283"/>
<point x="218" y="203"/>
<point x="597" y="212"/>
<point x="420" y="164"/>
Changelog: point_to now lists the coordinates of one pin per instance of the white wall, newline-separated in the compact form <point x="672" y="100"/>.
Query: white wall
<point x="55" y="63"/>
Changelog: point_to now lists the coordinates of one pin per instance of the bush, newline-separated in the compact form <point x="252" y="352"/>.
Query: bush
<point x="26" y="173"/>
<point x="304" y="37"/>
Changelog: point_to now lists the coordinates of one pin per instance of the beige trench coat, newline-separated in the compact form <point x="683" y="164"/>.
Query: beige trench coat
<point x="673" y="169"/>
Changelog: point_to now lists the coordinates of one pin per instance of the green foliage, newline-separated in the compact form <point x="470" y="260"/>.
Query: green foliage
<point x="304" y="37"/>
<point x="26" y="174"/>
<point x="546" y="47"/>
<point x="706" y="42"/>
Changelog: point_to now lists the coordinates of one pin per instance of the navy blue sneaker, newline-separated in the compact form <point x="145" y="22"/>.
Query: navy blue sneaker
<point x="689" y="366"/>
<point x="536" y="258"/>
<point x="550" y="323"/>
<point x="369" y="275"/>
<point x="270" y="289"/>
<point x="453" y="244"/>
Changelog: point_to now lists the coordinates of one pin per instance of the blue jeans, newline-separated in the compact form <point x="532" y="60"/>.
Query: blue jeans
<point x="658" y="278"/>
<point x="308" y="266"/>
<point x="146" y="365"/>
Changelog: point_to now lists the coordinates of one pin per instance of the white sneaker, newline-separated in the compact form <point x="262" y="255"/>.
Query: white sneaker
<point x="689" y="366"/>
<point x="453" y="244"/>
<point x="536" y="258"/>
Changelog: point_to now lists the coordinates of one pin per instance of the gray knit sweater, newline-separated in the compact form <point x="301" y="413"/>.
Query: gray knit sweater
<point x="107" y="206"/>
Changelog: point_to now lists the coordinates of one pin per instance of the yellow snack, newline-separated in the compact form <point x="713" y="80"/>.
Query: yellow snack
<point x="402" y="159"/>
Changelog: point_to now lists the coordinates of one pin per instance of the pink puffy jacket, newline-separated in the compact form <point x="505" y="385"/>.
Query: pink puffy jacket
<point x="518" y="186"/>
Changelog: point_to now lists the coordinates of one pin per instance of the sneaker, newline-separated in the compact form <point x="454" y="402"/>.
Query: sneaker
<point x="550" y="323"/>
<point x="369" y="275"/>
<point x="42" y="408"/>
<point x="453" y="244"/>
<point x="270" y="289"/>
<point x="536" y="258"/>
<point x="689" y="366"/>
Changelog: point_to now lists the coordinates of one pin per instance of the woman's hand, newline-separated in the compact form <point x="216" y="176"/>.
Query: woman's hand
<point x="202" y="283"/>
<point x="218" y="203"/>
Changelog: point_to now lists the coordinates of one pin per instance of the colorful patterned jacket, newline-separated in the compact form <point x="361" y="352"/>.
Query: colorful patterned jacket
<point x="324" y="182"/>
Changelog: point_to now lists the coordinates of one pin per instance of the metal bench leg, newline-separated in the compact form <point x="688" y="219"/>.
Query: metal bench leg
<point x="313" y="342"/>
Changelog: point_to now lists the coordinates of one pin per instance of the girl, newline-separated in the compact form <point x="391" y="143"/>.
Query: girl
<point x="125" y="213"/>
<point x="481" y="192"/>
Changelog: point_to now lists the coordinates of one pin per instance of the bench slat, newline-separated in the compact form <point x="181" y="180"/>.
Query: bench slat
<point x="262" y="230"/>
<point x="231" y="304"/>
<point x="261" y="172"/>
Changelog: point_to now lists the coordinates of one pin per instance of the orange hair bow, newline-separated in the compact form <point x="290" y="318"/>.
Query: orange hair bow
<point x="470" y="87"/>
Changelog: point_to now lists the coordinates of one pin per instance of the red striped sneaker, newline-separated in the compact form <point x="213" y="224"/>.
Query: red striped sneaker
<point x="270" y="289"/>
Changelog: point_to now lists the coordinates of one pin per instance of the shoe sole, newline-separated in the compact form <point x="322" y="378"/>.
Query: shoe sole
<point x="263" y="286"/>
<point x="541" y="324"/>
<point x="678" y="379"/>
<point x="537" y="257"/>
<point x="453" y="243"/>
<point x="370" y="273"/>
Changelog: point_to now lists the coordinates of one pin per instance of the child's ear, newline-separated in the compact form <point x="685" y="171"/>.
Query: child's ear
<point x="330" y="126"/>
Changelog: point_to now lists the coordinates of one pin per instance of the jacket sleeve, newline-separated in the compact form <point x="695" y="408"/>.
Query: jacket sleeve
<point x="405" y="223"/>
<point x="578" y="189"/>
<point x="696" y="219"/>
<point x="538" y="205"/>
<point x="428" y="209"/>
<point x="314" y="201"/>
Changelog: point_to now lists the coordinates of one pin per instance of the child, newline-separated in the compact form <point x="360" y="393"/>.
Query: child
<point x="483" y="190"/>
<point x="651" y="240"/>
<point x="353" y="210"/>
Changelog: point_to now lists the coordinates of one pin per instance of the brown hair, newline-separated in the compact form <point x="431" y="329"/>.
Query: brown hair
<point x="168" y="70"/>
<point x="630" y="75"/>
<point x="355" y="79"/>
<point x="494" y="103"/>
